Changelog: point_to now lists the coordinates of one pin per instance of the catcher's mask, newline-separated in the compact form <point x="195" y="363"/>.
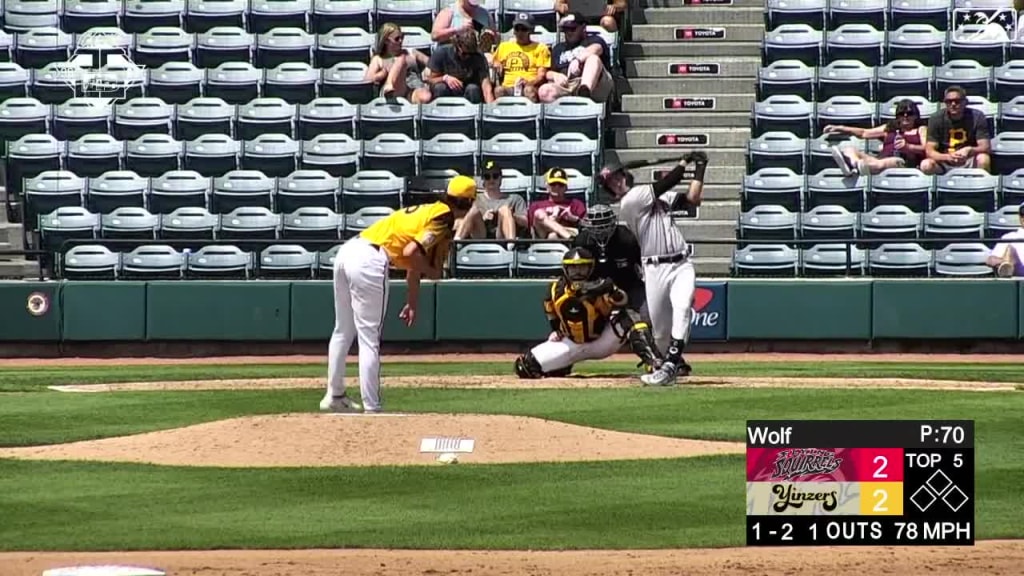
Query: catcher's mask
<point x="577" y="265"/>
<point x="609" y="172"/>
<point x="600" y="222"/>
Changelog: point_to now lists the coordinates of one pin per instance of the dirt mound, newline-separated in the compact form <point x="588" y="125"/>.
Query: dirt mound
<point x="295" y="440"/>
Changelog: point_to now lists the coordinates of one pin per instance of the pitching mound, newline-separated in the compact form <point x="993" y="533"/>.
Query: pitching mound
<point x="304" y="440"/>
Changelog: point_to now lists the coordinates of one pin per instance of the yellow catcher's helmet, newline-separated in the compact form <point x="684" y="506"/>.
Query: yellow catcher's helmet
<point x="462" y="187"/>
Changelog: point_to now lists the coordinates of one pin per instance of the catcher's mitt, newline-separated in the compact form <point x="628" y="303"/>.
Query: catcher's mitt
<point x="1004" y="270"/>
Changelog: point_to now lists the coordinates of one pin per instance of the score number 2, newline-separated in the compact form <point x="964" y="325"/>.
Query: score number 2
<point x="880" y="473"/>
<point x="787" y="532"/>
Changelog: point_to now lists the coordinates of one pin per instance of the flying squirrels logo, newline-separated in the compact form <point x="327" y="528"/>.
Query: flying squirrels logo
<point x="803" y="461"/>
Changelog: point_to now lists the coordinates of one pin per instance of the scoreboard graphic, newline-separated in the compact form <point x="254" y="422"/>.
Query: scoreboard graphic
<point x="860" y="483"/>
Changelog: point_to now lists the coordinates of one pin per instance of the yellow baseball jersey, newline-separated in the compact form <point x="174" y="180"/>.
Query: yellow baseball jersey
<point x="581" y="317"/>
<point x="521" y="61"/>
<point x="429" y="225"/>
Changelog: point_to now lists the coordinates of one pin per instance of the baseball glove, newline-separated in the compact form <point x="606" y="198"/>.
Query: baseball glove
<point x="696" y="157"/>
<point x="1004" y="270"/>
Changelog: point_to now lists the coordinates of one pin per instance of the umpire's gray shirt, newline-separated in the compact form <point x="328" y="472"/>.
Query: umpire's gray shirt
<point x="649" y="219"/>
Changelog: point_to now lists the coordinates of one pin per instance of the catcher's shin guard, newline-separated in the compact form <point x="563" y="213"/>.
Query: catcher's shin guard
<point x="526" y="366"/>
<point x="630" y="325"/>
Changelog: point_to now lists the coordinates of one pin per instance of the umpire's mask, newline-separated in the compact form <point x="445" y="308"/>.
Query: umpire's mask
<point x="600" y="222"/>
<point x="577" y="265"/>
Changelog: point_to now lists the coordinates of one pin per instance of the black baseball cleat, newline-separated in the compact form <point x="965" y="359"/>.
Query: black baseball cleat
<point x="684" y="369"/>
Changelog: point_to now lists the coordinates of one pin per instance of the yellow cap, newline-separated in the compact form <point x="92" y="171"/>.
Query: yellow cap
<point x="558" y="176"/>
<point x="462" y="187"/>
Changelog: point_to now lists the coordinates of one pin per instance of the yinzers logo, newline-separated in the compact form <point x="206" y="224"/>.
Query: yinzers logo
<point x="791" y="497"/>
<point x="804" y="461"/>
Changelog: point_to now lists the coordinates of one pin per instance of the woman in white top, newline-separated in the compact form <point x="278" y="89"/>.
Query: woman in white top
<point x="461" y="14"/>
<point x="398" y="72"/>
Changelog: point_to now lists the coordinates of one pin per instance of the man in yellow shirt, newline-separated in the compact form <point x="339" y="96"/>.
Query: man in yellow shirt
<point x="523" y="62"/>
<point x="415" y="239"/>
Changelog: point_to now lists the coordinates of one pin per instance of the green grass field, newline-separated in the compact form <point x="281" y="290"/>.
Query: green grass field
<point x="622" y="504"/>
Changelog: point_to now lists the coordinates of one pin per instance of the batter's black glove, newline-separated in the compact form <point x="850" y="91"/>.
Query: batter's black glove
<point x="697" y="157"/>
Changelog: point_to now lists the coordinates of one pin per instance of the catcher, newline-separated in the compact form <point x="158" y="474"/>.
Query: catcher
<point x="1006" y="255"/>
<point x="589" y="320"/>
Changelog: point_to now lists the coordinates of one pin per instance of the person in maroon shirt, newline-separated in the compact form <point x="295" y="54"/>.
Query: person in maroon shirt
<point x="556" y="217"/>
<point x="903" y="143"/>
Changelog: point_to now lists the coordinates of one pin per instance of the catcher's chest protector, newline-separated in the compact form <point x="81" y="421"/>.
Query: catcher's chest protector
<point x="583" y="317"/>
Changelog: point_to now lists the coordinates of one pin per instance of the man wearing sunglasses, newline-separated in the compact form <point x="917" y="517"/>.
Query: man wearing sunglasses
<point x="494" y="214"/>
<point x="521" y="63"/>
<point x="580" y="65"/>
<point x="958" y="136"/>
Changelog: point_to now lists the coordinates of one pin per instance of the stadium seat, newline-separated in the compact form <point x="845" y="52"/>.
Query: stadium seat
<point x="890" y="222"/>
<point x="953" y="222"/>
<point x="962" y="259"/>
<point x="22" y="117"/>
<point x="347" y="80"/>
<point x="450" y="115"/>
<point x="786" y="77"/>
<point x="153" y="155"/>
<point x="783" y="113"/>
<point x="773" y="186"/>
<point x="276" y="155"/>
<point x="898" y="78"/>
<point x="870" y="12"/>
<point x="313" y="189"/>
<point x="6" y="46"/>
<point x="573" y="114"/>
<point x="141" y="116"/>
<point x="970" y="75"/>
<point x="426" y="186"/>
<point x="327" y="116"/>
<point x="904" y="186"/>
<point x="265" y="15"/>
<point x="222" y="44"/>
<point x="483" y="260"/>
<point x="1006" y="219"/>
<point x="1011" y="188"/>
<point x="569" y="150"/>
<point x="283" y="45"/>
<point x="972" y="187"/>
<point x="246" y="226"/>
<point x="338" y="154"/>
<point x="234" y="82"/>
<point x="515" y="182"/>
<point x="539" y="260"/>
<point x="765" y="260"/>
<point x="828" y="222"/>
<point x="989" y="109"/>
<point x="49" y="84"/>
<point x="193" y="223"/>
<point x="130" y="222"/>
<point x="906" y="259"/>
<point x="14" y="81"/>
<point x="832" y="259"/>
<point x="203" y="15"/>
<point x="807" y="12"/>
<point x="153" y="262"/>
<point x="1008" y="81"/>
<point x="23" y="15"/>
<point x="768" y="222"/>
<point x="1011" y="115"/>
<point x="776" y="150"/>
<point x="312" y="223"/>
<point x="580" y="186"/>
<point x="159" y="46"/>
<point x="418" y="38"/>
<point x="179" y="189"/>
<point x="966" y="42"/>
<point x="49" y="191"/>
<point x="141" y="16"/>
<point x="287" y="261"/>
<point x="67" y="223"/>
<point x="371" y="188"/>
<point x="343" y="45"/>
<point x="219" y="262"/>
<point x="845" y="110"/>
<point x="540" y="35"/>
<point x="418" y="13"/>
<point x="93" y="155"/>
<point x="452" y="151"/>
<point x="858" y="42"/>
<point x="512" y="150"/>
<point x="933" y="13"/>
<point x="78" y="16"/>
<point x="363" y="218"/>
<point x="542" y="11"/>
<point x="921" y="42"/>
<point x="242" y="188"/>
<point x="35" y="48"/>
<point x="77" y="117"/>
<point x="115" y="189"/>
<point x="845" y="78"/>
<point x="28" y="157"/>
<point x="395" y="152"/>
<point x="325" y="262"/>
<point x="379" y="116"/>
<point x="1007" y="152"/>
<point x="511" y="114"/>
<point x="330" y="14"/>
<point x="203" y="116"/>
<point x="793" y="42"/>
<point x="293" y="82"/>
<point x="829" y="187"/>
<point x="90" y="262"/>
<point x="212" y="154"/>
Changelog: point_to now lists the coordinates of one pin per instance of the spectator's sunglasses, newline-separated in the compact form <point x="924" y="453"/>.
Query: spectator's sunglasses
<point x="492" y="176"/>
<point x="522" y="28"/>
<point x="956" y="101"/>
<point x="397" y="38"/>
<point x="906" y="113"/>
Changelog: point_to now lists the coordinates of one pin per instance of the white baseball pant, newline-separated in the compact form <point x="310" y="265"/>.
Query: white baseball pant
<point x="360" y="305"/>
<point x="670" y="289"/>
<point x="564" y="353"/>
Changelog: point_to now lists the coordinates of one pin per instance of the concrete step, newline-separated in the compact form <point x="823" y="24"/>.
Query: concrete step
<point x="684" y="85"/>
<point x="709" y="66"/>
<point x="698" y="16"/>
<point x="710" y="230"/>
<point x="721" y="5"/>
<point x="688" y="104"/>
<point x="714" y="211"/>
<point x="677" y="120"/>
<point x="11" y="234"/>
<point x="18" y="269"/>
<point x="711" y="267"/>
<point x="689" y="49"/>
<point x="717" y="156"/>
<point x="682" y="138"/>
<point x="695" y="33"/>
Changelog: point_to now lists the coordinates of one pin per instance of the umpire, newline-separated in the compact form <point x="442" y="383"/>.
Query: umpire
<point x="617" y="252"/>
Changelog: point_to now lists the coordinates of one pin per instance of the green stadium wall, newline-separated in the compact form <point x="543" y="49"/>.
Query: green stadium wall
<point x="503" y="311"/>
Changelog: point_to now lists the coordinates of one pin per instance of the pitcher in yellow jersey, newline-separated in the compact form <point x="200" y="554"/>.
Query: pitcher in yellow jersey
<point x="415" y="239"/>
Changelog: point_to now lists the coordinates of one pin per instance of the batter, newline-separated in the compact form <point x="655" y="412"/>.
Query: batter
<point x="670" y="278"/>
<point x="415" y="239"/>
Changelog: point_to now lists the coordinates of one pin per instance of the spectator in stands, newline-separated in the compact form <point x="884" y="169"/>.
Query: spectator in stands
<point x="958" y="136"/>
<point x="462" y="15"/>
<point x="579" y="66"/>
<point x="556" y="217"/>
<point x="495" y="214"/>
<point x="459" y="69"/>
<point x="398" y="71"/>
<point x="521" y="63"/>
<point x="1006" y="256"/>
<point x="607" y="15"/>
<point x="903" y="140"/>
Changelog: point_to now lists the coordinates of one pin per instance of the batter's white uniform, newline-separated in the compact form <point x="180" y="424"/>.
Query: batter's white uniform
<point x="669" y="275"/>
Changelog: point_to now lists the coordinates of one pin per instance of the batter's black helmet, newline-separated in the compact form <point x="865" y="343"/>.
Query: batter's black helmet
<point x="610" y="170"/>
